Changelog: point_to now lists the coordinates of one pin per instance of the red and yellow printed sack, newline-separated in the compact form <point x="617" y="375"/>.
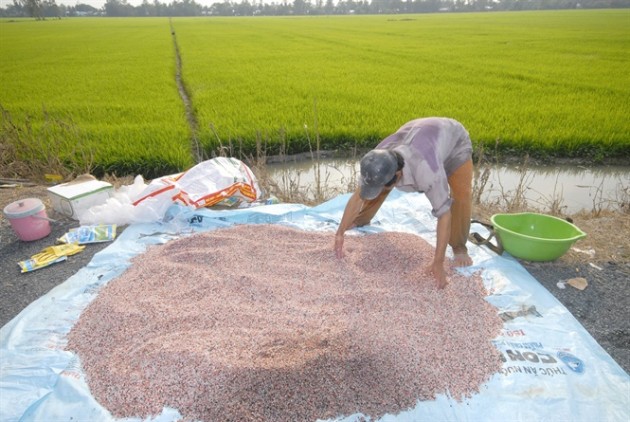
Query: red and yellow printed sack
<point x="206" y="184"/>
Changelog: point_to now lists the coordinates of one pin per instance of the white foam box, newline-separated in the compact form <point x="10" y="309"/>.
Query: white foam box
<point x="72" y="198"/>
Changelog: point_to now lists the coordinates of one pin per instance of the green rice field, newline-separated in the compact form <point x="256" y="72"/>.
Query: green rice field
<point x="111" y="80"/>
<point x="553" y="82"/>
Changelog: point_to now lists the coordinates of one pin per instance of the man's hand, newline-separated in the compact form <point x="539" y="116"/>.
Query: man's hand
<point x="339" y="245"/>
<point x="437" y="270"/>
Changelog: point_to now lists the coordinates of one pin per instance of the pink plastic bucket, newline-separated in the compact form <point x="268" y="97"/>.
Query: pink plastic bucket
<point x="28" y="218"/>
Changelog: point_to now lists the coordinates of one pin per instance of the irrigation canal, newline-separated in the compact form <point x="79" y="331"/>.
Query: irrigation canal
<point x="572" y="188"/>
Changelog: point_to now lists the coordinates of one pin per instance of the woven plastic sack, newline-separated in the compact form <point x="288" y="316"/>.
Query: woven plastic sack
<point x="206" y="184"/>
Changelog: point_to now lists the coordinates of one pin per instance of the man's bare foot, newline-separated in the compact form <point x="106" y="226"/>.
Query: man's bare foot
<point x="462" y="260"/>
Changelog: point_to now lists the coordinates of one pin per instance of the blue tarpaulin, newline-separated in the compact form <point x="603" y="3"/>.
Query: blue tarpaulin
<point x="552" y="368"/>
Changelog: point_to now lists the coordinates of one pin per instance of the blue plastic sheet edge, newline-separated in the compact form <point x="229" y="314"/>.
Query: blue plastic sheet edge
<point x="552" y="369"/>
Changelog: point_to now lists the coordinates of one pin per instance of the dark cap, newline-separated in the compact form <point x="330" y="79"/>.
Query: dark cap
<point x="378" y="167"/>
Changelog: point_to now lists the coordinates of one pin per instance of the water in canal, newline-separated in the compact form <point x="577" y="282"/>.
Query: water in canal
<point x="568" y="188"/>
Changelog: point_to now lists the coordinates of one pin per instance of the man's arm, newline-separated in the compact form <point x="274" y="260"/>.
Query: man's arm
<point x="350" y="213"/>
<point x="443" y="235"/>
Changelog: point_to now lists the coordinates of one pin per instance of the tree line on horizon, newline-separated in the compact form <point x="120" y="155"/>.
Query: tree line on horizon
<point x="42" y="9"/>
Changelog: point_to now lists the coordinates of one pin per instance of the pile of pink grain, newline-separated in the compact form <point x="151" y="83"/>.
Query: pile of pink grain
<point x="264" y="323"/>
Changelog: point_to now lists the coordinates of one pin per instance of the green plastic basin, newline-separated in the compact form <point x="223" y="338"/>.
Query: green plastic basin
<point x="535" y="237"/>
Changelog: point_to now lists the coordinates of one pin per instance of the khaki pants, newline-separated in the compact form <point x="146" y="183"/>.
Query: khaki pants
<point x="460" y="183"/>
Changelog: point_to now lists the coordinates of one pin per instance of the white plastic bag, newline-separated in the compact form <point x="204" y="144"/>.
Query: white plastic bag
<point x="120" y="210"/>
<point x="206" y="184"/>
